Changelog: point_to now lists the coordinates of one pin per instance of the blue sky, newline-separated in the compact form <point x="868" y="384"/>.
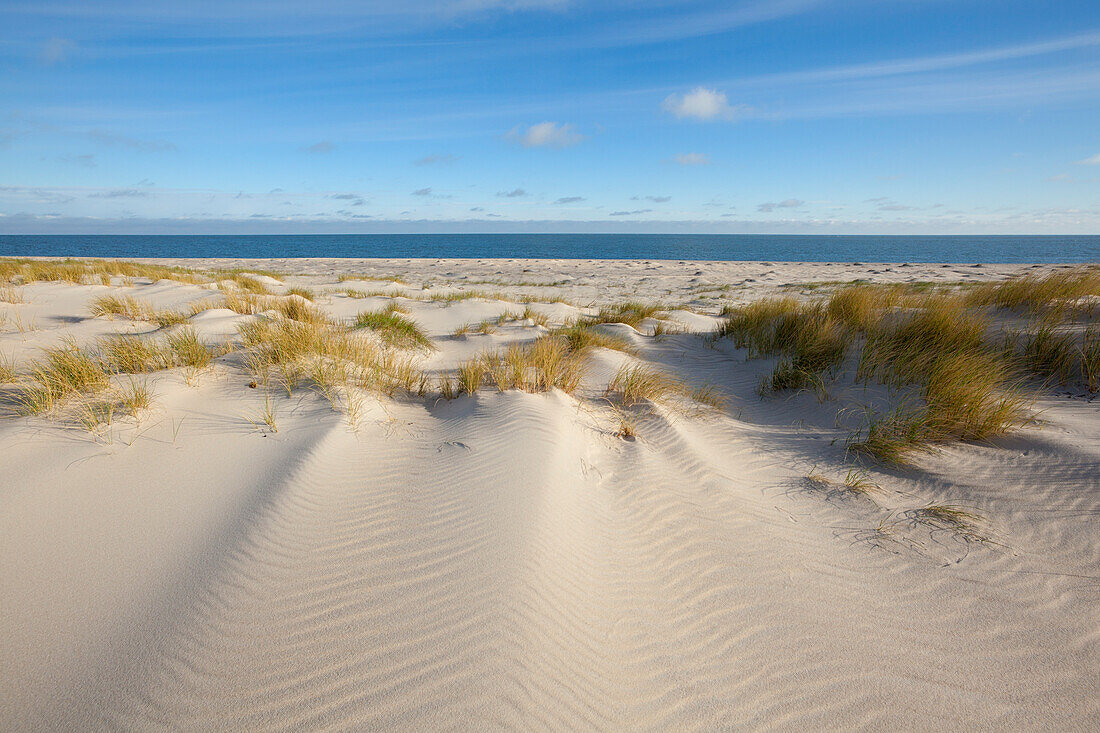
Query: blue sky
<point x="850" y="116"/>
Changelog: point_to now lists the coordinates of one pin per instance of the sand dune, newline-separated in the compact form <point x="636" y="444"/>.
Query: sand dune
<point x="505" y="560"/>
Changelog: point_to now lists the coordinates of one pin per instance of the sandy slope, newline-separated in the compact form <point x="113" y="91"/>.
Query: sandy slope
<point x="504" y="560"/>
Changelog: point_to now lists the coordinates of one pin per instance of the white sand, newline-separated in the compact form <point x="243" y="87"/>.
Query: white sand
<point x="504" y="560"/>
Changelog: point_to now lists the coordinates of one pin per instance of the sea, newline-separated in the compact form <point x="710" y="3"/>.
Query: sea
<point x="727" y="247"/>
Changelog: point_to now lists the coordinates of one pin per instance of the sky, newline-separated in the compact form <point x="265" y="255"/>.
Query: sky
<point x="756" y="116"/>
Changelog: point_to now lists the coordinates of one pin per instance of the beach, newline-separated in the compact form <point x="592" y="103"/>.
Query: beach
<point x="268" y="543"/>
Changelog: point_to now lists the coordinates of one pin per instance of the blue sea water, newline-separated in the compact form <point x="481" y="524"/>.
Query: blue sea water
<point x="774" y="247"/>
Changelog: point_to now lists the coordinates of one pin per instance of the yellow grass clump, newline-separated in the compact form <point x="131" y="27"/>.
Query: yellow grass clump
<point x="631" y="313"/>
<point x="25" y="270"/>
<point x="394" y="328"/>
<point x="64" y="371"/>
<point x="1062" y="289"/>
<point x="135" y="309"/>
<point x="539" y="366"/>
<point x="582" y="336"/>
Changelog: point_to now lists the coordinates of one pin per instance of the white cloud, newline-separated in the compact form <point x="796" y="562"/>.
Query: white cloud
<point x="692" y="159"/>
<point x="514" y="193"/>
<point x="545" y="135"/>
<point x="1094" y="160"/>
<point x="701" y="104"/>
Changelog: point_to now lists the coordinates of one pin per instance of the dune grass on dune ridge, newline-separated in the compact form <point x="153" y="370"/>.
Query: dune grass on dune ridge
<point x="932" y="350"/>
<point x="638" y="383"/>
<point x="79" y="271"/>
<point x="581" y="336"/>
<point x="394" y="328"/>
<point x="135" y="309"/>
<point x="541" y="365"/>
<point x="70" y="371"/>
<point x="629" y="312"/>
<point x="329" y="354"/>
<point x="1070" y="288"/>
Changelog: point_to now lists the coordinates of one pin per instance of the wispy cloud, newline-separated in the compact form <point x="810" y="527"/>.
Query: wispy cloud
<point x="354" y="198"/>
<point x="105" y="137"/>
<point x="545" y="135"/>
<point x="514" y="193"/>
<point x="443" y="159"/>
<point x="702" y="104"/>
<point x="422" y="192"/>
<point x="684" y="23"/>
<point x="630" y="213"/>
<point x="570" y="200"/>
<point x="84" y="161"/>
<point x="691" y="159"/>
<point x="920" y="64"/>
<point x="1067" y="178"/>
<point x="119" y="193"/>
<point x="785" y="204"/>
<point x="654" y="199"/>
<point x="322" y="147"/>
<point x="56" y="51"/>
<point x="1094" y="160"/>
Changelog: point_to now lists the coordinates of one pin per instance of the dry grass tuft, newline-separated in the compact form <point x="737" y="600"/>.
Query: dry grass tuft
<point x="539" y="319"/>
<point x="135" y="309"/>
<point x="64" y="371"/>
<point x="333" y="355"/>
<point x="24" y="270"/>
<point x="1057" y="352"/>
<point x="862" y="307"/>
<point x="124" y="306"/>
<point x="539" y="366"/>
<point x="581" y="337"/>
<point x="960" y="521"/>
<point x="1033" y="293"/>
<point x="246" y="304"/>
<point x="248" y="283"/>
<point x="297" y="308"/>
<point x="811" y="341"/>
<point x="394" y="329"/>
<point x="11" y="294"/>
<point x="135" y="397"/>
<point x="966" y="386"/>
<point x="471" y="373"/>
<point x="640" y="383"/>
<point x="302" y="292"/>
<point x="1050" y="353"/>
<point x="133" y="354"/>
<point x="206" y="304"/>
<point x="7" y="369"/>
<point x="631" y="313"/>
<point x="166" y="318"/>
<point x="1090" y="358"/>
<point x="188" y="349"/>
<point x="930" y="348"/>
